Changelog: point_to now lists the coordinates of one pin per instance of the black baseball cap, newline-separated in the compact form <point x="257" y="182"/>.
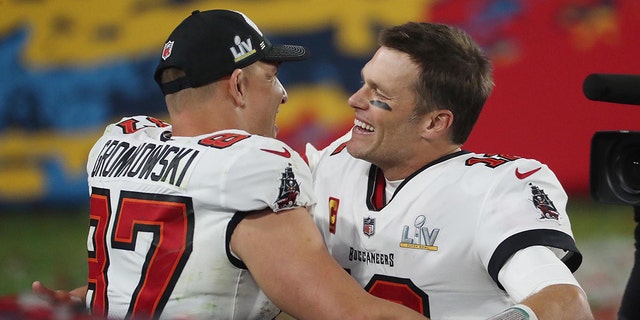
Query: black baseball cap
<point x="209" y="45"/>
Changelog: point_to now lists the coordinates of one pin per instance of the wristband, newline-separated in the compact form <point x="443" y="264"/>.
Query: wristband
<point x="517" y="312"/>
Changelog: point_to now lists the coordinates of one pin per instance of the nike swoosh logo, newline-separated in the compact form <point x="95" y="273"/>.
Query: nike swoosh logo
<point x="285" y="153"/>
<point x="523" y="175"/>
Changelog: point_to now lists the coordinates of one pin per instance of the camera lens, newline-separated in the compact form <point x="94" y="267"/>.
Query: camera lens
<point x="614" y="174"/>
<point x="628" y="169"/>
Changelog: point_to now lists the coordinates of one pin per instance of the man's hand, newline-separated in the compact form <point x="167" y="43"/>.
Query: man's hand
<point x="74" y="297"/>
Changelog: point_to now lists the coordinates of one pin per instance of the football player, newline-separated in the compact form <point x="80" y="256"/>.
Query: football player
<point x="415" y="218"/>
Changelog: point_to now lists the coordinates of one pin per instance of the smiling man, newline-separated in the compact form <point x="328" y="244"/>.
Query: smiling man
<point x="416" y="219"/>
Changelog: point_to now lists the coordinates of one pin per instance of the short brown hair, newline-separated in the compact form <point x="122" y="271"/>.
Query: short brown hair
<point x="454" y="72"/>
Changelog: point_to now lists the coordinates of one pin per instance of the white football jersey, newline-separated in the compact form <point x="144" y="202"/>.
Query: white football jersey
<point x="438" y="243"/>
<point x="163" y="210"/>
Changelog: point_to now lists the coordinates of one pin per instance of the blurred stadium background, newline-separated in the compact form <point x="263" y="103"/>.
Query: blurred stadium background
<point x="71" y="67"/>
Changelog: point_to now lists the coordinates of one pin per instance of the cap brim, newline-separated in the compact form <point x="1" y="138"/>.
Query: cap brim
<point x="286" y="52"/>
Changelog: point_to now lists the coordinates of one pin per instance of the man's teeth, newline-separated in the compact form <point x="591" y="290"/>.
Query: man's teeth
<point x="363" y="125"/>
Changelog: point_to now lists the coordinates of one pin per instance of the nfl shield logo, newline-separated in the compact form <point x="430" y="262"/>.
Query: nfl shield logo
<point x="166" y="52"/>
<point x="369" y="226"/>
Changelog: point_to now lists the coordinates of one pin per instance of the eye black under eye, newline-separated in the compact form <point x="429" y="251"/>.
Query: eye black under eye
<point x="380" y="104"/>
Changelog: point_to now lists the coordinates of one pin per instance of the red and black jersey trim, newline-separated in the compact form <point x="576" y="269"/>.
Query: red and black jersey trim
<point x="536" y="237"/>
<point x="376" y="195"/>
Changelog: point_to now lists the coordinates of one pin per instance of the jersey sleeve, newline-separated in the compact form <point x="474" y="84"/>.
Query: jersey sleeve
<point x="526" y="206"/>
<point x="316" y="157"/>
<point x="267" y="175"/>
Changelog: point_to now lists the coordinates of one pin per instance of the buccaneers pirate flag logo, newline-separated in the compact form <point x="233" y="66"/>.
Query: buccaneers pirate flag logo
<point x="542" y="202"/>
<point x="289" y="189"/>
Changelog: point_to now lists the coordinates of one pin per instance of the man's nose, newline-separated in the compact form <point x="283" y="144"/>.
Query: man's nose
<point x="285" y="96"/>
<point x="357" y="100"/>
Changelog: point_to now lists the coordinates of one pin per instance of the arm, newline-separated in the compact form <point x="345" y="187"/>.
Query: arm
<point x="560" y="301"/>
<point x="537" y="278"/>
<point x="286" y="255"/>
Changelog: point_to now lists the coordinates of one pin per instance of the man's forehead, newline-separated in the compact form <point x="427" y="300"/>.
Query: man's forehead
<point x="389" y="76"/>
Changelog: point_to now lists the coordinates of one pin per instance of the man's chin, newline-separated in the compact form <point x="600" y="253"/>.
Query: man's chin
<point x="354" y="149"/>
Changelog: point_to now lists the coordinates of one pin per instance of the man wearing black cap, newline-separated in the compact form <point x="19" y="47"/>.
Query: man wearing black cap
<point x="206" y="217"/>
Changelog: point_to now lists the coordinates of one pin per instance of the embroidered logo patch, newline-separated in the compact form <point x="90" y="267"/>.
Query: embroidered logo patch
<point x="242" y="48"/>
<point x="288" y="191"/>
<point x="333" y="214"/>
<point x="369" y="226"/>
<point x="421" y="237"/>
<point x="542" y="202"/>
<point x="166" y="52"/>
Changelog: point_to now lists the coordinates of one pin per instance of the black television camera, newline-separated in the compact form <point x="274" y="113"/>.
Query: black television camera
<point x="614" y="175"/>
<point x="615" y="167"/>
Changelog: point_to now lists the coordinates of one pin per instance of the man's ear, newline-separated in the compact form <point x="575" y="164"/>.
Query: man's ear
<point x="437" y="123"/>
<point x="236" y="86"/>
